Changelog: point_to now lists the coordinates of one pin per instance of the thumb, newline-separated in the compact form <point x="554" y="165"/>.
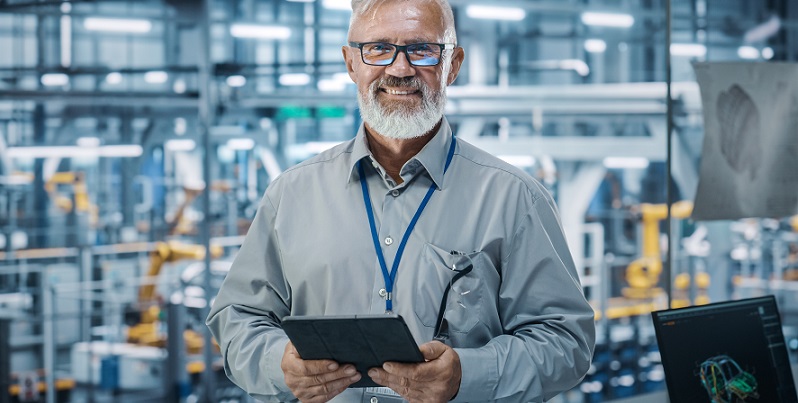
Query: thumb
<point x="432" y="350"/>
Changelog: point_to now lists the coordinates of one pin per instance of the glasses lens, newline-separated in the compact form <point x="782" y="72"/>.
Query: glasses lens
<point x="378" y="53"/>
<point x="424" y="54"/>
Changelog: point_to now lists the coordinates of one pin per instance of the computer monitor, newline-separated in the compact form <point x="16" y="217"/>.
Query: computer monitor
<point x="729" y="351"/>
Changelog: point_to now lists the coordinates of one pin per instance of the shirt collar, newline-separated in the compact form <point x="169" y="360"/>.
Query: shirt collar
<point x="432" y="157"/>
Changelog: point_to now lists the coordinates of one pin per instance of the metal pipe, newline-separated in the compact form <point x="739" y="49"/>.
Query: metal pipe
<point x="669" y="155"/>
<point x="48" y="330"/>
<point x="206" y="117"/>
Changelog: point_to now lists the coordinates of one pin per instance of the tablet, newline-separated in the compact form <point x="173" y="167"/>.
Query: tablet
<point x="366" y="341"/>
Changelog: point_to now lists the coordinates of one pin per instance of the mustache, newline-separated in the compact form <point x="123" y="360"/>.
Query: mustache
<point x="391" y="81"/>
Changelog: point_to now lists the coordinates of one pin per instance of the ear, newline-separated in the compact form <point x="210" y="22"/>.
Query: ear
<point x="457" y="60"/>
<point x="348" y="54"/>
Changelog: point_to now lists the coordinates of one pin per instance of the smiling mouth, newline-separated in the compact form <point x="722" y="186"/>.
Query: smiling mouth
<point x="398" y="92"/>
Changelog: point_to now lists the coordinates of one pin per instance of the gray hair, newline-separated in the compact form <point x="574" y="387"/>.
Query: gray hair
<point x="359" y="7"/>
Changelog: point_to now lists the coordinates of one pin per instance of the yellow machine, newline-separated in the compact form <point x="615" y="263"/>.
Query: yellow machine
<point x="643" y="274"/>
<point x="80" y="194"/>
<point x="146" y="331"/>
<point x="180" y="224"/>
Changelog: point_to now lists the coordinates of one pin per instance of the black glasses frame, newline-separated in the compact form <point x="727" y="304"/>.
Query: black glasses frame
<point x="403" y="48"/>
<point x="441" y="325"/>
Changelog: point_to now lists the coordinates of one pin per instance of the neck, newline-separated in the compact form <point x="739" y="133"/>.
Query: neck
<point x="392" y="153"/>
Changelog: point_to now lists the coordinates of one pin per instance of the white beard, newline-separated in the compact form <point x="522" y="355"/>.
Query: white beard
<point x="399" y="121"/>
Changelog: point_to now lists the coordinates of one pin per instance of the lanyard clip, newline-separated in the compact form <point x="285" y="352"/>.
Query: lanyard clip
<point x="385" y="294"/>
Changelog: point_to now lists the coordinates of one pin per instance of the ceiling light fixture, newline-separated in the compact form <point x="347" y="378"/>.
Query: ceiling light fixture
<point x="253" y="31"/>
<point x="124" y="25"/>
<point x="626" y="163"/>
<point x="595" y="46"/>
<point x="748" y="52"/>
<point x="495" y="13"/>
<point x="54" y="79"/>
<point x="115" y="151"/>
<point x="113" y="78"/>
<point x="294" y="79"/>
<point x="688" y="49"/>
<point x="156" y="77"/>
<point x="611" y="20"/>
<point x="337" y="5"/>
<point x="180" y="145"/>
<point x="236" y="81"/>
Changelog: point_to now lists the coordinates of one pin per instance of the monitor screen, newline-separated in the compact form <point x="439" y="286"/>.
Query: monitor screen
<point x="730" y="351"/>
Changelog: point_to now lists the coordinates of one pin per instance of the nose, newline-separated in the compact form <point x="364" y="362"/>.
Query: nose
<point x="401" y="67"/>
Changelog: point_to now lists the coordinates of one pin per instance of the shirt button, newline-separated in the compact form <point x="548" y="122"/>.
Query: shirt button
<point x="388" y="241"/>
<point x="395" y="193"/>
<point x="374" y="399"/>
<point x="383" y="292"/>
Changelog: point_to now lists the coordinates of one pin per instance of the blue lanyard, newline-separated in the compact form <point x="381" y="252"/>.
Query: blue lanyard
<point x="390" y="276"/>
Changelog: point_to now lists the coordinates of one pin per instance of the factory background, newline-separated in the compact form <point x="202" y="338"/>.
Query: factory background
<point x="136" y="135"/>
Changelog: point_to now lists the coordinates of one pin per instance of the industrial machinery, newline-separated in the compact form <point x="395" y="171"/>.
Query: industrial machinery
<point x="79" y="201"/>
<point x="147" y="330"/>
<point x="643" y="274"/>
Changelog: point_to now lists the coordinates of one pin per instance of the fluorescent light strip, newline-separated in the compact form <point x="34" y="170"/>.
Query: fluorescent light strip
<point x="748" y="52"/>
<point x="595" y="46"/>
<point x="688" y="49"/>
<point x="124" y="25"/>
<point x="331" y="85"/>
<point x="626" y="162"/>
<point x="294" y="79"/>
<point x="253" y="31"/>
<point x="180" y="145"/>
<point x="113" y="78"/>
<point x="496" y="13"/>
<point x="236" y="81"/>
<point x="54" y="79"/>
<point x="337" y="5"/>
<point x="156" y="77"/>
<point x="117" y="151"/>
<point x="66" y="40"/>
<point x="607" y="20"/>
<point x="520" y="161"/>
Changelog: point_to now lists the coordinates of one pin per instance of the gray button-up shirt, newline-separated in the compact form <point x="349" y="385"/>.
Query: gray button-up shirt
<point x="518" y="320"/>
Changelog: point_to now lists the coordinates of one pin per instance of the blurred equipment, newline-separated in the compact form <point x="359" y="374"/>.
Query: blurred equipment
<point x="79" y="201"/>
<point x="643" y="273"/>
<point x="148" y="330"/>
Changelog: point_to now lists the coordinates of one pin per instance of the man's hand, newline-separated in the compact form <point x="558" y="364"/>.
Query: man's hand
<point x="315" y="380"/>
<point x="436" y="380"/>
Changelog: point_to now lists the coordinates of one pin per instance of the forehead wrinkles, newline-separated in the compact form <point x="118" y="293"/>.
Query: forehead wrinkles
<point x="375" y="14"/>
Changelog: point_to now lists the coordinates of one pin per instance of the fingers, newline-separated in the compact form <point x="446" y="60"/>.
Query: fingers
<point x="326" y="390"/>
<point x="438" y="379"/>
<point x="407" y="388"/>
<point x="315" y="380"/>
<point x="432" y="350"/>
<point x="293" y="363"/>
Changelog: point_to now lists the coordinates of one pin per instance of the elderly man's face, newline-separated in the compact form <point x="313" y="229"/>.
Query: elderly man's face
<point x="401" y="100"/>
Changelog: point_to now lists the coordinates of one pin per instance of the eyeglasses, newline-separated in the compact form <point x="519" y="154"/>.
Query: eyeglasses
<point x="441" y="325"/>
<point x="418" y="54"/>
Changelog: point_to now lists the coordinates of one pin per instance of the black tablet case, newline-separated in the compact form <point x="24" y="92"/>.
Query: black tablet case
<point x="366" y="341"/>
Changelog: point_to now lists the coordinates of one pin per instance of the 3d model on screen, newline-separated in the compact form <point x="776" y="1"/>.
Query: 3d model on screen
<point x="726" y="382"/>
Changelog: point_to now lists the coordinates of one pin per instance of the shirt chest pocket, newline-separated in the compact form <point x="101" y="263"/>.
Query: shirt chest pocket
<point x="464" y="301"/>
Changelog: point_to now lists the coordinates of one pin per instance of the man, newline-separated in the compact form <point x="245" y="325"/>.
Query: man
<point x="387" y="221"/>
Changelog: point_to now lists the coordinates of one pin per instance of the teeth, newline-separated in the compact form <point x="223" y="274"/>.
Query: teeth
<point x="394" y="92"/>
